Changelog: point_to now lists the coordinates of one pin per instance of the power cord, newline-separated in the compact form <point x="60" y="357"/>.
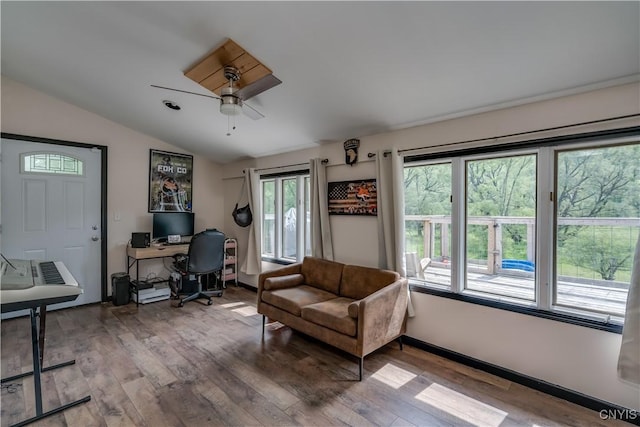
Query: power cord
<point x="150" y="276"/>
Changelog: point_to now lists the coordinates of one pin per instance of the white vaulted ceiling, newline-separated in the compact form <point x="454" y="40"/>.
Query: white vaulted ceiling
<point x="349" y="69"/>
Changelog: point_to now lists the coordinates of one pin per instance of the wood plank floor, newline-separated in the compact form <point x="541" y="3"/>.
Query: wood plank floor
<point x="199" y="365"/>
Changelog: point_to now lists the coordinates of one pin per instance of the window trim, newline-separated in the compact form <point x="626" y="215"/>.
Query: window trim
<point x="546" y="150"/>
<point x="277" y="261"/>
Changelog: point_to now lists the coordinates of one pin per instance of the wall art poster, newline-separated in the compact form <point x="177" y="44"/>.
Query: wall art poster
<point x="170" y="182"/>
<point x="358" y="197"/>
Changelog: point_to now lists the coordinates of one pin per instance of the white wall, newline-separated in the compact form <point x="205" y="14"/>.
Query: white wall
<point x="26" y="111"/>
<point x="578" y="358"/>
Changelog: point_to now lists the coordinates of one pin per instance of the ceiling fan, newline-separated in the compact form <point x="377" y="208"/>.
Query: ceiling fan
<point x="234" y="76"/>
<point x="232" y="99"/>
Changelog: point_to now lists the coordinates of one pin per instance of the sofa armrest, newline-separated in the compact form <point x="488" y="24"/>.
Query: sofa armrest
<point x="382" y="315"/>
<point x="284" y="271"/>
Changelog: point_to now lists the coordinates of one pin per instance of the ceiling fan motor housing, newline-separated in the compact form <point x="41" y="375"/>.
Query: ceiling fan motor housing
<point x="231" y="73"/>
<point x="230" y="102"/>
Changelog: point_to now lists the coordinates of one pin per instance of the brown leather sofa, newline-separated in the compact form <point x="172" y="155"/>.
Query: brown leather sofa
<point x="356" y="309"/>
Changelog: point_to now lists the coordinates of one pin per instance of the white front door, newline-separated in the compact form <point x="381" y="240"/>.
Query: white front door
<point x="51" y="210"/>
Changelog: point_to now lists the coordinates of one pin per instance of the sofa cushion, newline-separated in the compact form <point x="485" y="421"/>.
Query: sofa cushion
<point x="293" y="299"/>
<point x="281" y="282"/>
<point x="332" y="314"/>
<point x="359" y="282"/>
<point x="321" y="273"/>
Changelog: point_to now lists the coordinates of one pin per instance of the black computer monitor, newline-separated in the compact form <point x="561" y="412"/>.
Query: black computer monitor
<point x="172" y="223"/>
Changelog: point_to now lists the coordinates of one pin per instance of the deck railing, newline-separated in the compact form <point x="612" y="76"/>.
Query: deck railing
<point x="577" y="287"/>
<point x="439" y="251"/>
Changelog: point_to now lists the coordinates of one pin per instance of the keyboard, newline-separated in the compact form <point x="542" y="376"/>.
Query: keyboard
<point x="29" y="283"/>
<point x="50" y="273"/>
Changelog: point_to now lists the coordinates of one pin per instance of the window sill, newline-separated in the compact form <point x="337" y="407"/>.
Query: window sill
<point x="278" y="261"/>
<point x="529" y="311"/>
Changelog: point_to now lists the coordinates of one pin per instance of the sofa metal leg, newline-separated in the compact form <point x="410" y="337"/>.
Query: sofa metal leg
<point x="400" y="342"/>
<point x="264" y="319"/>
<point x="361" y="365"/>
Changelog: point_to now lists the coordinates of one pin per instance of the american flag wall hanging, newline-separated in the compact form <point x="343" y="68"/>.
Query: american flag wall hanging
<point x="357" y="197"/>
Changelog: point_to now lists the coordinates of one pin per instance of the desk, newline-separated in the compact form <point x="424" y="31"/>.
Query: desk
<point x="135" y="255"/>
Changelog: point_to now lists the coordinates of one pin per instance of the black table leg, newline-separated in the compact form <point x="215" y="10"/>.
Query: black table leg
<point x="37" y="369"/>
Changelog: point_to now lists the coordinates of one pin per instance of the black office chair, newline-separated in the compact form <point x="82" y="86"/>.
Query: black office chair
<point x="206" y="255"/>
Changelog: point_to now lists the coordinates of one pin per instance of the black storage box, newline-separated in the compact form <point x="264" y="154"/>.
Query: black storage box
<point x="188" y="284"/>
<point x="120" y="288"/>
<point x="140" y="240"/>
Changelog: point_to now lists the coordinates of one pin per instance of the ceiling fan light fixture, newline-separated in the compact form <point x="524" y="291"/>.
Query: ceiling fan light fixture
<point x="230" y="103"/>
<point x="230" y="109"/>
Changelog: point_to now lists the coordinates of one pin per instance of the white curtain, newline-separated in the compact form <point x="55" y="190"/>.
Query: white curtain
<point x="629" y="359"/>
<point x="390" y="183"/>
<point x="253" y="262"/>
<point x="321" y="243"/>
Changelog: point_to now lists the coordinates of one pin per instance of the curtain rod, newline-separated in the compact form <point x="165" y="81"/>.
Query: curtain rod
<point x="386" y="153"/>
<point x="492" y="138"/>
<point x="531" y="132"/>
<point x="323" y="161"/>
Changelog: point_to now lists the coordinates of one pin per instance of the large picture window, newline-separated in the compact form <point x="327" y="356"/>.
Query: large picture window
<point x="597" y="222"/>
<point x="549" y="227"/>
<point x="428" y="221"/>
<point x="500" y="226"/>
<point x="285" y="217"/>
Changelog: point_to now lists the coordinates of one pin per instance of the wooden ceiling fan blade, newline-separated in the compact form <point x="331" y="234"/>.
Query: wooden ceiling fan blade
<point x="259" y="86"/>
<point x="251" y="112"/>
<point x="185" y="91"/>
